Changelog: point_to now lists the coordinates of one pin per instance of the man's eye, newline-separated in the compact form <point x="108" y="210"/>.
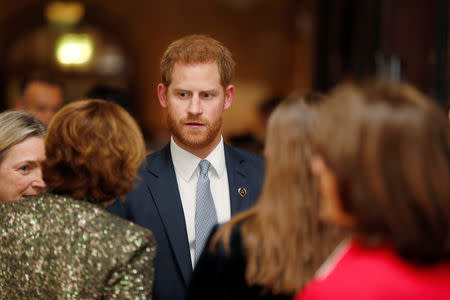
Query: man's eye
<point x="182" y="95"/>
<point x="205" y="95"/>
<point x="24" y="168"/>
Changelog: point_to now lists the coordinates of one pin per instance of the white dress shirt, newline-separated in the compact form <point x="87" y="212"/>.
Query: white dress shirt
<point x="187" y="171"/>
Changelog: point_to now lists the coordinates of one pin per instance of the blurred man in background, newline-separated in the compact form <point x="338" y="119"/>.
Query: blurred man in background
<point x="41" y="97"/>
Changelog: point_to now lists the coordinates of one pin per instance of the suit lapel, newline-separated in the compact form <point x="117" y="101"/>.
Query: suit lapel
<point x="164" y="189"/>
<point x="237" y="178"/>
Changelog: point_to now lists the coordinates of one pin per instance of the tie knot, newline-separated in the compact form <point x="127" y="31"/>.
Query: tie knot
<point x="204" y="167"/>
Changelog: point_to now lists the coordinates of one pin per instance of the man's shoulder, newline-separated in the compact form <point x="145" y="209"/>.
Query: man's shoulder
<point x="155" y="165"/>
<point x="158" y="155"/>
<point x="242" y="155"/>
<point x="162" y="158"/>
<point x="156" y="160"/>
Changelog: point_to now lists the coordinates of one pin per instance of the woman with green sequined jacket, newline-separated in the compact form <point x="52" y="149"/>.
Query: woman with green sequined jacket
<point x="63" y="243"/>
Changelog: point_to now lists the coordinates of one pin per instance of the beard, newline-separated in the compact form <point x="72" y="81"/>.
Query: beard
<point x="194" y="138"/>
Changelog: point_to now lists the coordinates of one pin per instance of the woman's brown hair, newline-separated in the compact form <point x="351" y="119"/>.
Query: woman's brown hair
<point x="283" y="238"/>
<point x="389" y="149"/>
<point x="93" y="149"/>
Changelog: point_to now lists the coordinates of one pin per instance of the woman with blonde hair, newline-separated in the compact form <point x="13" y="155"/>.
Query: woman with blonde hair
<point x="63" y="243"/>
<point x="272" y="249"/>
<point x="21" y="153"/>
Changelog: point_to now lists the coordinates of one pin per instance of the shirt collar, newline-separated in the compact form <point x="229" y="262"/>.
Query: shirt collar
<point x="185" y="163"/>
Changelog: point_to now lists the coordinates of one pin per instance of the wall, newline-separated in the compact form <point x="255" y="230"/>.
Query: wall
<point x="272" y="47"/>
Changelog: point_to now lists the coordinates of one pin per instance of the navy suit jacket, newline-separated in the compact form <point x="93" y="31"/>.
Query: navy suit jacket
<point x="155" y="203"/>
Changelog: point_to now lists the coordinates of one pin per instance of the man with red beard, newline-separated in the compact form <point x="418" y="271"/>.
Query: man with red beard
<point x="196" y="181"/>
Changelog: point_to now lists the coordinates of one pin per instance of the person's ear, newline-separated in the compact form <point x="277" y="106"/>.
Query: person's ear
<point x="331" y="209"/>
<point x="229" y="96"/>
<point x="162" y="95"/>
<point x="317" y="165"/>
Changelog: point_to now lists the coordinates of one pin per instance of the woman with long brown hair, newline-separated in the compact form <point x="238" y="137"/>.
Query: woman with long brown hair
<point x="384" y="173"/>
<point x="274" y="248"/>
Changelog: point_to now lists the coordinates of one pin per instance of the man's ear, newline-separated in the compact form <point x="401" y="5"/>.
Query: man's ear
<point x="162" y="95"/>
<point x="229" y="96"/>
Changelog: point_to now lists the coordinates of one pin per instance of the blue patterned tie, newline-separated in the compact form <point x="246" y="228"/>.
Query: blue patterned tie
<point x="205" y="211"/>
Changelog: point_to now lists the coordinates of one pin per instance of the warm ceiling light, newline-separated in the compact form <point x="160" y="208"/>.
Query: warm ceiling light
<point x="64" y="12"/>
<point x="74" y="49"/>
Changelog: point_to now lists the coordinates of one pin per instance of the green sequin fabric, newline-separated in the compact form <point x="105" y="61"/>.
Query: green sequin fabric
<point x="55" y="247"/>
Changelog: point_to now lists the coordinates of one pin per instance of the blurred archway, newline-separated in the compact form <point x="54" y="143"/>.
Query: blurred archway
<point x="29" y="47"/>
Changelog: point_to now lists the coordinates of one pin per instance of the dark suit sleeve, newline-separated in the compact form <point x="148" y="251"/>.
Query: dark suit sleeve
<point x="118" y="208"/>
<point x="220" y="274"/>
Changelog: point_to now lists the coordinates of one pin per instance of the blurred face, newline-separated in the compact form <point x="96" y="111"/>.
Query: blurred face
<point x="195" y="101"/>
<point x="20" y="170"/>
<point x="42" y="100"/>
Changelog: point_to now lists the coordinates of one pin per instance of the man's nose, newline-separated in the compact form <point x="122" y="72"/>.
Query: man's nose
<point x="195" y="105"/>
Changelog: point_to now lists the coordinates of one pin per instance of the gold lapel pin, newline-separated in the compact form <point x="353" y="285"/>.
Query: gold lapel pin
<point x="242" y="191"/>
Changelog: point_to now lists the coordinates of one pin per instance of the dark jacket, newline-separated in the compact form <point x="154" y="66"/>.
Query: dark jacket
<point x="220" y="274"/>
<point x="155" y="204"/>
